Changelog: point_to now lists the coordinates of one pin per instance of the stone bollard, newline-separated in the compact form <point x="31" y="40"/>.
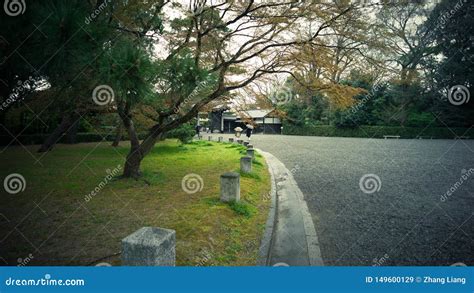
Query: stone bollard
<point x="246" y="143"/>
<point x="246" y="164"/>
<point x="251" y="153"/>
<point x="250" y="146"/>
<point x="231" y="140"/>
<point x="149" y="246"/>
<point x="239" y="141"/>
<point x="230" y="187"/>
<point x="209" y="138"/>
<point x="220" y="139"/>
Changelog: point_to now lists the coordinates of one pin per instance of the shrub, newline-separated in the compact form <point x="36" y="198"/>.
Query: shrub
<point x="419" y="119"/>
<point x="183" y="133"/>
<point x="378" y="131"/>
<point x="242" y="208"/>
<point x="346" y="119"/>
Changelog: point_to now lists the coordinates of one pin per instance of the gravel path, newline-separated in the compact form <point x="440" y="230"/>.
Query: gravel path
<point x="405" y="222"/>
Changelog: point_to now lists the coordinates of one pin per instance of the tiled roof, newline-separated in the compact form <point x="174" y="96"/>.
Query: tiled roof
<point x="255" y="113"/>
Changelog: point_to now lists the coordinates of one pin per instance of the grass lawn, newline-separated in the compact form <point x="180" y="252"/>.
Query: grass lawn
<point x="56" y="221"/>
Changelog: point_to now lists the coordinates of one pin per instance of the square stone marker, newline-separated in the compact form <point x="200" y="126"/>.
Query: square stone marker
<point x="149" y="246"/>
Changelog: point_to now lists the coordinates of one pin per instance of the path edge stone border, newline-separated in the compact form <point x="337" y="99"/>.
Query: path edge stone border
<point x="312" y="241"/>
<point x="264" y="251"/>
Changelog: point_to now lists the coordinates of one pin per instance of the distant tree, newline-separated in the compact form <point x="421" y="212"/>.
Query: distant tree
<point x="407" y="43"/>
<point x="451" y="27"/>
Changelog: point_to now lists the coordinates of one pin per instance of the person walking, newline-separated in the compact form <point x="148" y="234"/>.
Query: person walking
<point x="198" y="128"/>
<point x="249" y="130"/>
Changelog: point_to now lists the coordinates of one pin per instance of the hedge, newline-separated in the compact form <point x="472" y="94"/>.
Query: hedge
<point x="40" y="138"/>
<point x="320" y="130"/>
<point x="85" y="137"/>
<point x="379" y="131"/>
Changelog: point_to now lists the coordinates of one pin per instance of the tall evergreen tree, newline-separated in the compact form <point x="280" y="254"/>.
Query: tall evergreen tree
<point x="451" y="26"/>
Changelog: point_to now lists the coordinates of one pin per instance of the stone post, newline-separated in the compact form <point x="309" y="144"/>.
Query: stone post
<point x="231" y="140"/>
<point x="149" y="246"/>
<point x="246" y="164"/>
<point x="239" y="141"/>
<point x="250" y="146"/>
<point x="251" y="153"/>
<point x="230" y="187"/>
<point x="220" y="139"/>
<point x="246" y="143"/>
<point x="209" y="138"/>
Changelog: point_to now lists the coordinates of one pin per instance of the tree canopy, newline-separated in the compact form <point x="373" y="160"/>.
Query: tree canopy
<point x="153" y="65"/>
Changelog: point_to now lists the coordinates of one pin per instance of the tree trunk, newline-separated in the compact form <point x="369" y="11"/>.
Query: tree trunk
<point x="137" y="150"/>
<point x="118" y="134"/>
<point x="132" y="164"/>
<point x="55" y="136"/>
<point x="136" y="155"/>
<point x="71" y="132"/>
<point x="403" y="74"/>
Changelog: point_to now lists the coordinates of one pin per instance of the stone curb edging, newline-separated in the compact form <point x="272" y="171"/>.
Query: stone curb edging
<point x="314" y="252"/>
<point x="264" y="251"/>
